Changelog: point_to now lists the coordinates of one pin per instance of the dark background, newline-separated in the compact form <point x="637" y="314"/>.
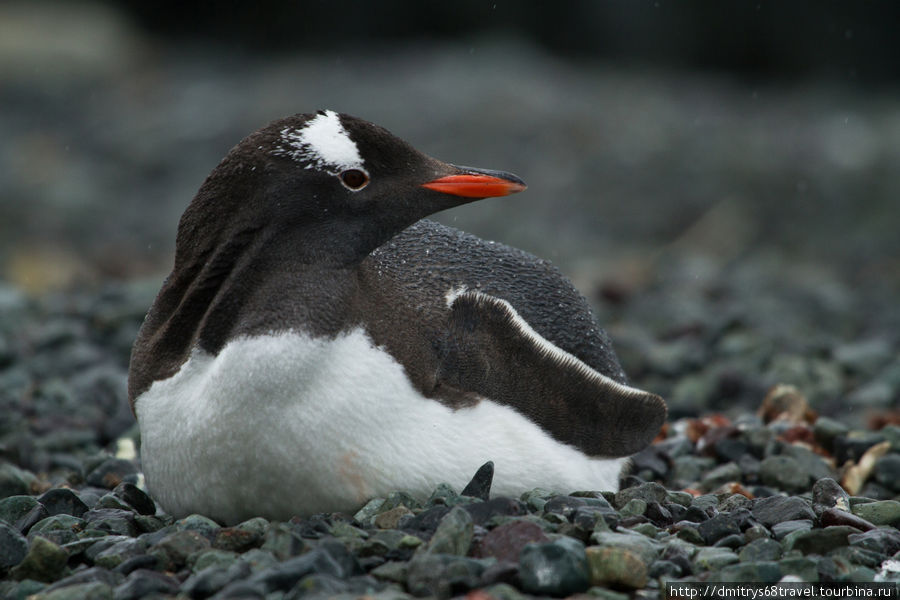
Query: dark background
<point x="689" y="163"/>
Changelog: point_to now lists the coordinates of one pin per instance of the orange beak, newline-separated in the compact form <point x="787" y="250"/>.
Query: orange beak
<point x="477" y="183"/>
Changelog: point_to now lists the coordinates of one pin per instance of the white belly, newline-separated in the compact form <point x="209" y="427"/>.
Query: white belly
<point x="285" y="424"/>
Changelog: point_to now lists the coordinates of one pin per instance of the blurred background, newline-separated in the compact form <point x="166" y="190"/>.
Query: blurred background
<point x="721" y="179"/>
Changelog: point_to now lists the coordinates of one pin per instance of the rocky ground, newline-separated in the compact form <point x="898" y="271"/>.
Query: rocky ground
<point x="769" y="492"/>
<point x="737" y="239"/>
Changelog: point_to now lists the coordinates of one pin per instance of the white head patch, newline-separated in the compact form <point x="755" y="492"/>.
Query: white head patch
<point x="322" y="143"/>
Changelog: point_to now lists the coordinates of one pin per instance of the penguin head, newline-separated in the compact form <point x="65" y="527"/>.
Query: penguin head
<point x="335" y="184"/>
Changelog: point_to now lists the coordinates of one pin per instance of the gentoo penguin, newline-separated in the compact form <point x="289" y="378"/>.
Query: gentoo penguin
<point x="317" y="344"/>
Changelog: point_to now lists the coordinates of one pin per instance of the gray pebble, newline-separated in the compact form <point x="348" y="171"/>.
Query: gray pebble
<point x="453" y="534"/>
<point x="885" y="542"/>
<point x="786" y="528"/>
<point x="557" y="568"/>
<point x="142" y="583"/>
<point x="22" y="512"/>
<point x="776" y="509"/>
<point x="887" y="471"/>
<point x="13" y="546"/>
<point x="827" y="493"/>
<point x="784" y="472"/>
<point x="761" y="549"/>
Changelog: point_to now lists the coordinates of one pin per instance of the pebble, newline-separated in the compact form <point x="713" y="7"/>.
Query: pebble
<point x="111" y="472"/>
<point x="882" y="512"/>
<point x="620" y="567"/>
<point x="786" y="528"/>
<point x="648" y="550"/>
<point x="720" y="475"/>
<point x="777" y="509"/>
<point x="135" y="497"/>
<point x="648" y="492"/>
<point x="505" y="542"/>
<point x="44" y="561"/>
<point x="242" y="537"/>
<point x="634" y="507"/>
<point x="827" y="493"/>
<point x="826" y="430"/>
<point x="22" y="512"/>
<point x="480" y="485"/>
<point x="713" y="559"/>
<point x="887" y="471"/>
<point x="14" y="481"/>
<point x="854" y="444"/>
<point x="722" y="525"/>
<point x="283" y="542"/>
<point x="63" y="501"/>
<point x="172" y="551"/>
<point x="818" y="541"/>
<point x="784" y="472"/>
<point x="496" y="510"/>
<point x="142" y="583"/>
<point x="809" y="462"/>
<point x="885" y="542"/>
<point x="443" y="575"/>
<point x="453" y="534"/>
<point x="390" y="519"/>
<point x="13" y="546"/>
<point x="80" y="591"/>
<point x="762" y="549"/>
<point x="558" y="568"/>
<point x="748" y="572"/>
<point x="835" y="516"/>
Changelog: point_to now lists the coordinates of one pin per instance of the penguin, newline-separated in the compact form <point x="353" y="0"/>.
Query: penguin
<point x="319" y="343"/>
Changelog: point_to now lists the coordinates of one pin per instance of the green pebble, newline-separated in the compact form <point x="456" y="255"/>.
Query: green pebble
<point x="880" y="512"/>
<point x="111" y="501"/>
<point x="648" y="550"/>
<point x="819" y="541"/>
<point x="202" y="525"/>
<point x="634" y="508"/>
<point x="45" y="561"/>
<point x="801" y="566"/>
<point x="691" y="534"/>
<point x="617" y="567"/>
<point x="748" y="572"/>
<point x="366" y="515"/>
<point x="57" y="522"/>
<point x="713" y="559"/>
<point x="173" y="551"/>
<point x="14" y="508"/>
<point x="760" y="550"/>
<point x="94" y="590"/>
<point x="681" y="498"/>
<point x="648" y="529"/>
<point x="453" y="534"/>
<point x="212" y="558"/>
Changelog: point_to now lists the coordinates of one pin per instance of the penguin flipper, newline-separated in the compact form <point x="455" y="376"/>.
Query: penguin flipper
<point x="490" y="351"/>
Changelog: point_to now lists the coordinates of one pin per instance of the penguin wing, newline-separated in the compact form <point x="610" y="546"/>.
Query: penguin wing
<point x="489" y="350"/>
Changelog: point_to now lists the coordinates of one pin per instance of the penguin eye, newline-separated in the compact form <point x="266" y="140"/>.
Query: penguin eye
<point x="355" y="179"/>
